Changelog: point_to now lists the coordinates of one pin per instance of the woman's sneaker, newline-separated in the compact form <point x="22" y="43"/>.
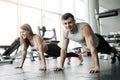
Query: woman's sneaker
<point x="69" y="60"/>
<point x="80" y="59"/>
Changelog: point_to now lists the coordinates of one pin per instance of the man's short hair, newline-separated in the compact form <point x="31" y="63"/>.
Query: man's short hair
<point x="67" y="15"/>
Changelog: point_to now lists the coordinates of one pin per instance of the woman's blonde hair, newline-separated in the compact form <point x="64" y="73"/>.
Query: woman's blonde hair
<point x="28" y="28"/>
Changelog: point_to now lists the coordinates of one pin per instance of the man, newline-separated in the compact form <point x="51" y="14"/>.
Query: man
<point x="83" y="34"/>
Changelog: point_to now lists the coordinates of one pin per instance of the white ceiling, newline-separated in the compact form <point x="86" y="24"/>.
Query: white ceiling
<point x="109" y="4"/>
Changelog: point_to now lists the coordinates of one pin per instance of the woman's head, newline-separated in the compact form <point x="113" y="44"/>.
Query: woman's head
<point x="25" y="34"/>
<point x="26" y="31"/>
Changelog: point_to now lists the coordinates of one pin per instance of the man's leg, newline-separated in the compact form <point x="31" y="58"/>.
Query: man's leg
<point x="104" y="47"/>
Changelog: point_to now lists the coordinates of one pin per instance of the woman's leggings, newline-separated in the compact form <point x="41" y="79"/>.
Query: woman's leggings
<point x="54" y="51"/>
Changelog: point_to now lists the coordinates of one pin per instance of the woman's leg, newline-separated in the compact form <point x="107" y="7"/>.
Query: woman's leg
<point x="53" y="50"/>
<point x="72" y="54"/>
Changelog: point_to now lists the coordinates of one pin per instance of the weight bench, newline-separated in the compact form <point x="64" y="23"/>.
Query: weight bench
<point x="5" y="57"/>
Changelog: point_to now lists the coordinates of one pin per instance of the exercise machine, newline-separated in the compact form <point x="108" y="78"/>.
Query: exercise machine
<point x="42" y="32"/>
<point x="6" y="56"/>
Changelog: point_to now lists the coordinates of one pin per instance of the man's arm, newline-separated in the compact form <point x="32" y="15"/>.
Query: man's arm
<point x="87" y="33"/>
<point x="63" y="53"/>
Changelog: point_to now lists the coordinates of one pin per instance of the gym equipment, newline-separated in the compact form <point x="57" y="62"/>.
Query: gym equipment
<point x="3" y="60"/>
<point x="77" y="50"/>
<point x="108" y="14"/>
<point x="13" y="46"/>
<point x="5" y="57"/>
<point x="43" y="29"/>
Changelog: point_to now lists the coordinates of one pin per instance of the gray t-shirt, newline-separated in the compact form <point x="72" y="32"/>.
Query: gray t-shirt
<point x="78" y="37"/>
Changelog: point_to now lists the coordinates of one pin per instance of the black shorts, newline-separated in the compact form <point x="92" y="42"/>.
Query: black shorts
<point x="103" y="45"/>
<point x="53" y="50"/>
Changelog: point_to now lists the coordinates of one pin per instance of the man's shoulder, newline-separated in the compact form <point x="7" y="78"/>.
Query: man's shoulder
<point x="80" y="23"/>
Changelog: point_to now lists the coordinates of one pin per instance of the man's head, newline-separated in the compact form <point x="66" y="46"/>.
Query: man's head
<point x="68" y="21"/>
<point x="67" y="15"/>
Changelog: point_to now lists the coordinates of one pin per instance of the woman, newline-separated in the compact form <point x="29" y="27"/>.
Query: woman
<point x="28" y="38"/>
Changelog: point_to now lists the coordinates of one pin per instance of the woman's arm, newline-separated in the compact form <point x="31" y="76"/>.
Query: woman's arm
<point x="24" y="53"/>
<point x="39" y="41"/>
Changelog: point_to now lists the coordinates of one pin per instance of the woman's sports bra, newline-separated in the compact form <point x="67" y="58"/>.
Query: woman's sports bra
<point x="35" y="47"/>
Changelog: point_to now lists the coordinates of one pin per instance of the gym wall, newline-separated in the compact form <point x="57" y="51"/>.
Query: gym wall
<point x="110" y="24"/>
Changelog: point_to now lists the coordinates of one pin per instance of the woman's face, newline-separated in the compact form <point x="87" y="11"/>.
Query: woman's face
<point x="24" y="34"/>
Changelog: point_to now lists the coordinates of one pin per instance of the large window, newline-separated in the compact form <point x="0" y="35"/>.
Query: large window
<point x="31" y="16"/>
<point x="8" y="23"/>
<point x="67" y="6"/>
<point x="52" y="5"/>
<point x="31" y="3"/>
<point x="40" y="13"/>
<point x="52" y="21"/>
<point x="80" y="9"/>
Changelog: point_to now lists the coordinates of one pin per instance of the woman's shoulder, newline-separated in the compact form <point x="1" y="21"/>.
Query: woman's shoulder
<point x="36" y="36"/>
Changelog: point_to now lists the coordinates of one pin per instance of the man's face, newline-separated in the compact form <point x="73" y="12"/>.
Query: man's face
<point x="68" y="24"/>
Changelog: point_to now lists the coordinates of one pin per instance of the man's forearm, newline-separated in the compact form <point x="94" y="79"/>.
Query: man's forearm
<point x="62" y="57"/>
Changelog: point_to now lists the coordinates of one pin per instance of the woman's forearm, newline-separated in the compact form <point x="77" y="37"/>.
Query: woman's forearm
<point x="43" y="59"/>
<point x="23" y="58"/>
